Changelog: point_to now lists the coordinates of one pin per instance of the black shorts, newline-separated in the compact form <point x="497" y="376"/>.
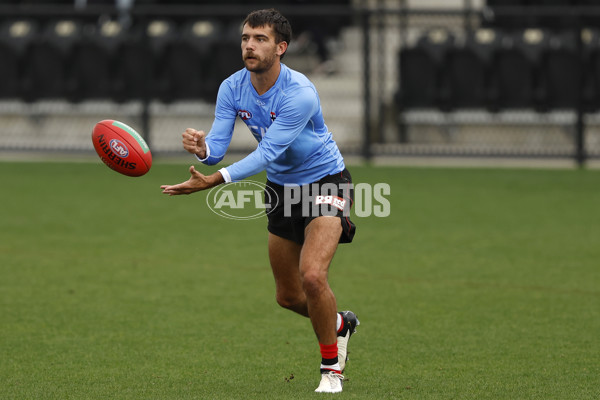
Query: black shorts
<point x="290" y="208"/>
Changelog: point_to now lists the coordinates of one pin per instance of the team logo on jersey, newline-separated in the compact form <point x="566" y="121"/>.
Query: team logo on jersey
<point x="273" y="116"/>
<point x="244" y="114"/>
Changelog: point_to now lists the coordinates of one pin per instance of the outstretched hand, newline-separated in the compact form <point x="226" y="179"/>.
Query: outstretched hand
<point x="196" y="183"/>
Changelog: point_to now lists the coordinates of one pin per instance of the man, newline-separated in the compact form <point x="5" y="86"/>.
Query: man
<point x="282" y="109"/>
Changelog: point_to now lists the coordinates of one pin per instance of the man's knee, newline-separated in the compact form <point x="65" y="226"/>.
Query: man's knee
<point x="290" y="301"/>
<point x="314" y="283"/>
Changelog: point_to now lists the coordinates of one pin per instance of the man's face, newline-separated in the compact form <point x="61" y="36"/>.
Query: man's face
<point x="259" y="50"/>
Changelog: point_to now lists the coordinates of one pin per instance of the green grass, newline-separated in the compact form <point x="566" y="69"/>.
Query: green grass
<point x="481" y="284"/>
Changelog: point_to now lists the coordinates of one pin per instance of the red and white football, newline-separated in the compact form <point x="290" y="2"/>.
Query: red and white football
<point x="121" y="148"/>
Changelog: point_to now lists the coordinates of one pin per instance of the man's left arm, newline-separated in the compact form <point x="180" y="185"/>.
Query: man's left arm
<point x="294" y="114"/>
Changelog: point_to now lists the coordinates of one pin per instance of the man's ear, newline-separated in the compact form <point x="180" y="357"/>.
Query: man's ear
<point x="281" y="48"/>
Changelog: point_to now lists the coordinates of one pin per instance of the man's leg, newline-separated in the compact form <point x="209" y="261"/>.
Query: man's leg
<point x="284" y="255"/>
<point x="301" y="281"/>
<point x="321" y="239"/>
<point x="300" y="274"/>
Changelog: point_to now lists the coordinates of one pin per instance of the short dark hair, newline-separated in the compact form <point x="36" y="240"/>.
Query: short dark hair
<point x="281" y="26"/>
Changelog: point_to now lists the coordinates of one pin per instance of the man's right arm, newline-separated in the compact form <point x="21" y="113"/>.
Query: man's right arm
<point x="218" y="139"/>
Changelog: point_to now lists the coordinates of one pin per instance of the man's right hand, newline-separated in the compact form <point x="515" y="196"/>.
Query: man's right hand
<point x="193" y="142"/>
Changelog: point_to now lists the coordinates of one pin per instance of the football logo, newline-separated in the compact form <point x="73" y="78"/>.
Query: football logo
<point x="244" y="114"/>
<point x="118" y="148"/>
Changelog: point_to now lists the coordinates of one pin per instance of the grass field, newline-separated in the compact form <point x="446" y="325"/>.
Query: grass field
<point x="481" y="284"/>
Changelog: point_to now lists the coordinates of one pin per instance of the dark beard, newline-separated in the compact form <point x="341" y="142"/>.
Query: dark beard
<point x="261" y="65"/>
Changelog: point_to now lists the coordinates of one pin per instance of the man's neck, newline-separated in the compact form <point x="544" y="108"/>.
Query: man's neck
<point x="264" y="81"/>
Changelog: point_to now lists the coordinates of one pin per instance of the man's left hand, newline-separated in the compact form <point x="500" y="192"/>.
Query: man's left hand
<point x="196" y="183"/>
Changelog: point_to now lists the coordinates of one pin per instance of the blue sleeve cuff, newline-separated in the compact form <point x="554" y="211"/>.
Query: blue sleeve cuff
<point x="225" y="174"/>
<point x="207" y="154"/>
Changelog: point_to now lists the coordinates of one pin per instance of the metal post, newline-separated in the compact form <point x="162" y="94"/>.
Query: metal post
<point x="381" y="71"/>
<point x="402" y="134"/>
<point x="367" y="84"/>
<point x="147" y="90"/>
<point x="468" y="7"/>
<point x="580" y="151"/>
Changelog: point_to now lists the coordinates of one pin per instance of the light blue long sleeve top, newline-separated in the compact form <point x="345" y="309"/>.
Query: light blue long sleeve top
<point x="294" y="144"/>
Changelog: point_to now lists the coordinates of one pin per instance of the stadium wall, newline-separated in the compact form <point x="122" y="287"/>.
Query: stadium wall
<point x="364" y="79"/>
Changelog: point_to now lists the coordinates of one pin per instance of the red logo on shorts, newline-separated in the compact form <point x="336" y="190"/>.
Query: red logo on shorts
<point x="335" y="201"/>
